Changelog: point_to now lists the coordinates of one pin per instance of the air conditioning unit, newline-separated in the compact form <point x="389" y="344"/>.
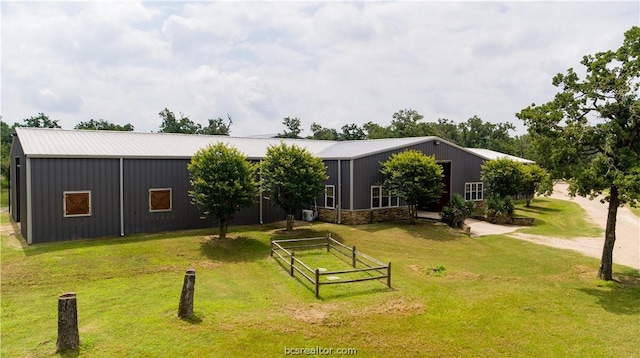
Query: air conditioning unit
<point x="307" y="215"/>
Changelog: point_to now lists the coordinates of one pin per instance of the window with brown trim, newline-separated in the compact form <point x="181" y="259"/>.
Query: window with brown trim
<point x="77" y="203"/>
<point x="160" y="200"/>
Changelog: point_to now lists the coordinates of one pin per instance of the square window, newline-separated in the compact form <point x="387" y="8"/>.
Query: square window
<point x="160" y="200"/>
<point x="77" y="203"/>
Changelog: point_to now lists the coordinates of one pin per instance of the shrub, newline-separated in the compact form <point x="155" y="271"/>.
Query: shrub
<point x="457" y="211"/>
<point x="499" y="209"/>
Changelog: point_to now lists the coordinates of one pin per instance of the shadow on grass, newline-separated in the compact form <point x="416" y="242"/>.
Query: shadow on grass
<point x="238" y="249"/>
<point x="37" y="249"/>
<point x="537" y="209"/>
<point x="621" y="296"/>
<point x="192" y="320"/>
<point x="422" y="229"/>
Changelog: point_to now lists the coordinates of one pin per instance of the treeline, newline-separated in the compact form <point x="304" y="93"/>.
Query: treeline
<point x="474" y="133"/>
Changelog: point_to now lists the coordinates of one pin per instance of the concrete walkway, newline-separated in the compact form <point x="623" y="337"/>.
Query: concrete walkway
<point x="478" y="227"/>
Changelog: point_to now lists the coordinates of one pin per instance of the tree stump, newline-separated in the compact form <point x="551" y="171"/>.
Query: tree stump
<point x="68" y="337"/>
<point x="185" y="309"/>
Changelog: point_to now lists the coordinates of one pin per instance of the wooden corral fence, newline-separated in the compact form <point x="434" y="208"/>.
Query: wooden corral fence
<point x="284" y="250"/>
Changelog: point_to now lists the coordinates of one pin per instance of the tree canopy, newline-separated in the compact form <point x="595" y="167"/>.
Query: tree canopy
<point x="293" y="126"/>
<point x="292" y="178"/>
<point x="223" y="183"/>
<point x="101" y="124"/>
<point x="170" y="124"/>
<point x="414" y="177"/>
<point x="590" y="132"/>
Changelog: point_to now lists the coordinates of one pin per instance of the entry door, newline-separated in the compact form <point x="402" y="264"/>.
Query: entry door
<point x="446" y="188"/>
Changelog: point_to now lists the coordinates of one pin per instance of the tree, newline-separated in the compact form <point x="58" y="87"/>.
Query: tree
<point x="376" y="131"/>
<point x="293" y="124"/>
<point x="5" y="149"/>
<point x="292" y="178"/>
<point x="101" y="124"/>
<point x="172" y="125"/>
<point x="405" y="124"/>
<point x="536" y="180"/>
<point x="39" y="121"/>
<point x="502" y="177"/>
<point x="223" y="183"/>
<point x="322" y="133"/>
<point x="352" y="132"/>
<point x="475" y="133"/>
<point x="217" y="126"/>
<point x="414" y="177"/>
<point x="594" y="124"/>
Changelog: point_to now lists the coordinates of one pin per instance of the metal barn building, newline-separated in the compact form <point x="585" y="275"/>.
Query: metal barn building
<point x="71" y="184"/>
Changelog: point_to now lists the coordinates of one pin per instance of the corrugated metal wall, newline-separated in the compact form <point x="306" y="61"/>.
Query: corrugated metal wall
<point x="18" y="179"/>
<point x="465" y="167"/>
<point x="51" y="177"/>
<point x="140" y="175"/>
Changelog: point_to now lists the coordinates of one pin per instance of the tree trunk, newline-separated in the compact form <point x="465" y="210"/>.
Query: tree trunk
<point x="185" y="309"/>
<point x="606" y="264"/>
<point x="222" y="229"/>
<point x="290" y="221"/>
<point x="68" y="337"/>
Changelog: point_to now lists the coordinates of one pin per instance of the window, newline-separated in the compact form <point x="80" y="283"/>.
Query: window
<point x="473" y="191"/>
<point x="329" y="196"/>
<point x="382" y="198"/>
<point x="160" y="200"/>
<point x="77" y="203"/>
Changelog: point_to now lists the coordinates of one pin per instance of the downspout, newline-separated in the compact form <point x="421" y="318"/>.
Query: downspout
<point x="339" y="191"/>
<point x="121" y="197"/>
<point x="351" y="185"/>
<point x="261" y="195"/>
<point x="29" y="201"/>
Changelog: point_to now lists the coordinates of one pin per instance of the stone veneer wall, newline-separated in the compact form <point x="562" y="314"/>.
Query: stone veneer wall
<point x="357" y="217"/>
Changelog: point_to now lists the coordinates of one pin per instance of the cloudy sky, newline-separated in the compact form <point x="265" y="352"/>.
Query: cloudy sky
<point x="332" y="63"/>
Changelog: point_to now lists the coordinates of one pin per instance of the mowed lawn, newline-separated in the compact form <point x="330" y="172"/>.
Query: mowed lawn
<point x="452" y="296"/>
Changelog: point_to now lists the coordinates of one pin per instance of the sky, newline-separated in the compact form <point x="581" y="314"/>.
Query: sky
<point x="331" y="63"/>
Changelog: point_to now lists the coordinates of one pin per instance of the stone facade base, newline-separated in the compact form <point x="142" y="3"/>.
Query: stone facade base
<point x="368" y="216"/>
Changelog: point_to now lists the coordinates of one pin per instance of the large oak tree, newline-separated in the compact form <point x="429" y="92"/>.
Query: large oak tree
<point x="590" y="132"/>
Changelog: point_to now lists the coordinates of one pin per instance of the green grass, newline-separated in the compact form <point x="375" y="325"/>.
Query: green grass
<point x="496" y="296"/>
<point x="4" y="198"/>
<point x="636" y="211"/>
<point x="557" y="218"/>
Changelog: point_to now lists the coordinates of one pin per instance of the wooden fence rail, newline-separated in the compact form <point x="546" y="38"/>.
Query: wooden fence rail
<point x="287" y="256"/>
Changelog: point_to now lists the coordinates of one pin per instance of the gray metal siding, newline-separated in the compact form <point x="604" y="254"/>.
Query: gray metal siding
<point x="51" y="177"/>
<point x="140" y="175"/>
<point x="465" y="167"/>
<point x="16" y="151"/>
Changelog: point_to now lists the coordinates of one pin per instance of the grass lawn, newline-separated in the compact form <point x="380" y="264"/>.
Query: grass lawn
<point x="558" y="218"/>
<point x="635" y="210"/>
<point x="452" y="296"/>
<point x="4" y="198"/>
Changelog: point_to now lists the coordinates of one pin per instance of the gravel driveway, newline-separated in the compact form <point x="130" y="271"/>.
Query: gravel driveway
<point x="627" y="246"/>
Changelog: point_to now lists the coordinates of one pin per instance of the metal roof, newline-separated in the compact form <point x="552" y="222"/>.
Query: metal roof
<point x="61" y="143"/>
<point x="491" y="155"/>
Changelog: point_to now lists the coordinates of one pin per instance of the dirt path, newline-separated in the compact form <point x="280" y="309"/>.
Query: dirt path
<point x="627" y="246"/>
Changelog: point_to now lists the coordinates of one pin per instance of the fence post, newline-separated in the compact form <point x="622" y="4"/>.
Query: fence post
<point x="328" y="243"/>
<point x="353" y="257"/>
<point x="389" y="275"/>
<point x="68" y="337"/>
<point x="185" y="308"/>
<point x="317" y="283"/>
<point x="292" y="261"/>
<point x="271" y="245"/>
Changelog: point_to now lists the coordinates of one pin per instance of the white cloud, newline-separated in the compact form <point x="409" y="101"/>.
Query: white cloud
<point x="330" y="63"/>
